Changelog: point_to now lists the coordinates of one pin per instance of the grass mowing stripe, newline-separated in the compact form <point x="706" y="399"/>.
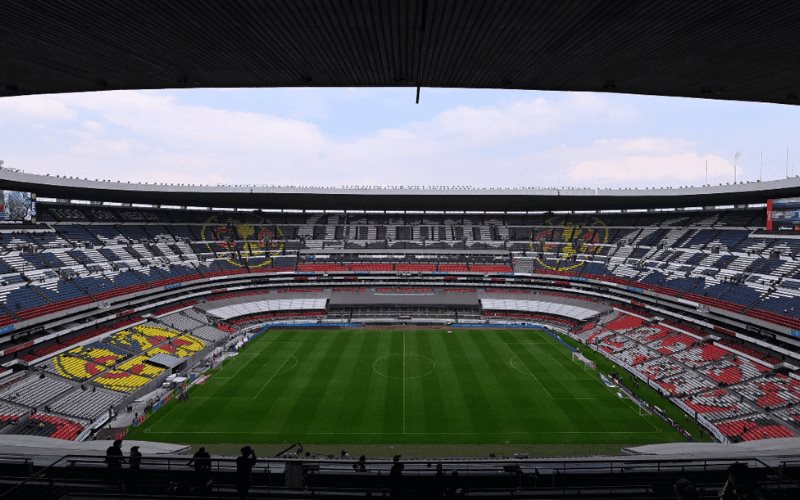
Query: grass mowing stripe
<point x="509" y="410"/>
<point x="375" y="395"/>
<point x="480" y="397"/>
<point x="310" y="390"/>
<point x="404" y="382"/>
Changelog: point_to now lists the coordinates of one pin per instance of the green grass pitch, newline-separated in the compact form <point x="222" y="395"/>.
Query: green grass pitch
<point x="403" y="387"/>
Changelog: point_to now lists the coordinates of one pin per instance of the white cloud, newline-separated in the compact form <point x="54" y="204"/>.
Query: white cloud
<point x="35" y="107"/>
<point x="154" y="136"/>
<point x="647" y="159"/>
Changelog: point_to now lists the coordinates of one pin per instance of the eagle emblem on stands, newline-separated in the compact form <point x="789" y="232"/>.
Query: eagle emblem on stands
<point x="243" y="244"/>
<point x="564" y="246"/>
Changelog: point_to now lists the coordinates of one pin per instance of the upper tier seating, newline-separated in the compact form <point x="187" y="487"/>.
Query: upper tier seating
<point x="109" y="252"/>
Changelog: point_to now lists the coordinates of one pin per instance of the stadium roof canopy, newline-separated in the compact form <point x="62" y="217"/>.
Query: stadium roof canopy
<point x="399" y="198"/>
<point x="720" y="49"/>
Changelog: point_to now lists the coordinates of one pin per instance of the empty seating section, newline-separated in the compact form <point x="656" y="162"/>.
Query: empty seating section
<point x="612" y="343"/>
<point x="75" y="339"/>
<point x="790" y="415"/>
<point x="10" y="413"/>
<point x="209" y="334"/>
<point x="118" y="362"/>
<point x="636" y="355"/>
<point x="87" y="404"/>
<point x="34" y="390"/>
<point x="649" y="333"/>
<point x="754" y="428"/>
<point x="624" y="322"/>
<point x="121" y="381"/>
<point x="750" y="352"/>
<point x="672" y="343"/>
<point x="72" y="368"/>
<point x="180" y="322"/>
<point x="138" y="365"/>
<point x="773" y="391"/>
<point x="661" y="368"/>
<point x="718" y="404"/>
<point x="54" y="426"/>
<point x="692" y="372"/>
<point x="99" y="353"/>
<point x="701" y="354"/>
<point x="687" y="382"/>
<point x="733" y="370"/>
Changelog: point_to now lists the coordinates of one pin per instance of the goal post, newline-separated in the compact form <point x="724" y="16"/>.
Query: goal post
<point x="580" y="358"/>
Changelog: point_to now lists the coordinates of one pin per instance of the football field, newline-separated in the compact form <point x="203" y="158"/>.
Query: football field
<point x="404" y="386"/>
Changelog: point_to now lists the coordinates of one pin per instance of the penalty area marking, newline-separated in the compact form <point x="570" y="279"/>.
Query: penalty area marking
<point x="251" y="354"/>
<point x="531" y="374"/>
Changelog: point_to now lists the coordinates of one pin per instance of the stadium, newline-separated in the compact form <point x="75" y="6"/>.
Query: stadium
<point x="527" y="342"/>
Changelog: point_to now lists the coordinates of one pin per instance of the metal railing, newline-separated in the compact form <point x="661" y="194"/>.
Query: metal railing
<point x="560" y="478"/>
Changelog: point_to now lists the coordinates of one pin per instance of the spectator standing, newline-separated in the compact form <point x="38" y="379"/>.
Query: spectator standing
<point x="244" y="469"/>
<point x="202" y="467"/>
<point x="361" y="465"/>
<point x="396" y="477"/>
<point x="134" y="466"/>
<point x="114" y="461"/>
<point x="135" y="459"/>
<point x="114" y="455"/>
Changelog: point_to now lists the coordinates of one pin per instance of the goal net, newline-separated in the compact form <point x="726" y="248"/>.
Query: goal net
<point x="580" y="358"/>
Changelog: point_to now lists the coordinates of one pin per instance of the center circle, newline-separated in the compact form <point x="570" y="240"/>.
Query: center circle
<point x="416" y="366"/>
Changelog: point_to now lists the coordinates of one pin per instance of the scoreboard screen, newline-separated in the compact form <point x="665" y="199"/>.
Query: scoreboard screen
<point x="783" y="214"/>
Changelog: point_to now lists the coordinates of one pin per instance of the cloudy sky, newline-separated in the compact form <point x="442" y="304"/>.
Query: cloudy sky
<point x="335" y="137"/>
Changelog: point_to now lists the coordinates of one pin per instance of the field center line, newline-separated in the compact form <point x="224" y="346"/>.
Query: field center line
<point x="404" y="382"/>
<point x="277" y="372"/>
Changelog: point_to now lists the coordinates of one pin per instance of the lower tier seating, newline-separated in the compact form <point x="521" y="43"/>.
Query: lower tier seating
<point x="717" y="405"/>
<point x="34" y="390"/>
<point x="54" y="426"/>
<point x="754" y="428"/>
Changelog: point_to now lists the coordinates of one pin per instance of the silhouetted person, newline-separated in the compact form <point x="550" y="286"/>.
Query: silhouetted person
<point x="135" y="459"/>
<point x="134" y="464"/>
<point x="361" y="465"/>
<point x="114" y="460"/>
<point x="440" y="481"/>
<point x="114" y="455"/>
<point x="202" y="467"/>
<point x="740" y="485"/>
<point x="396" y="477"/>
<point x="684" y="490"/>
<point x="244" y="468"/>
